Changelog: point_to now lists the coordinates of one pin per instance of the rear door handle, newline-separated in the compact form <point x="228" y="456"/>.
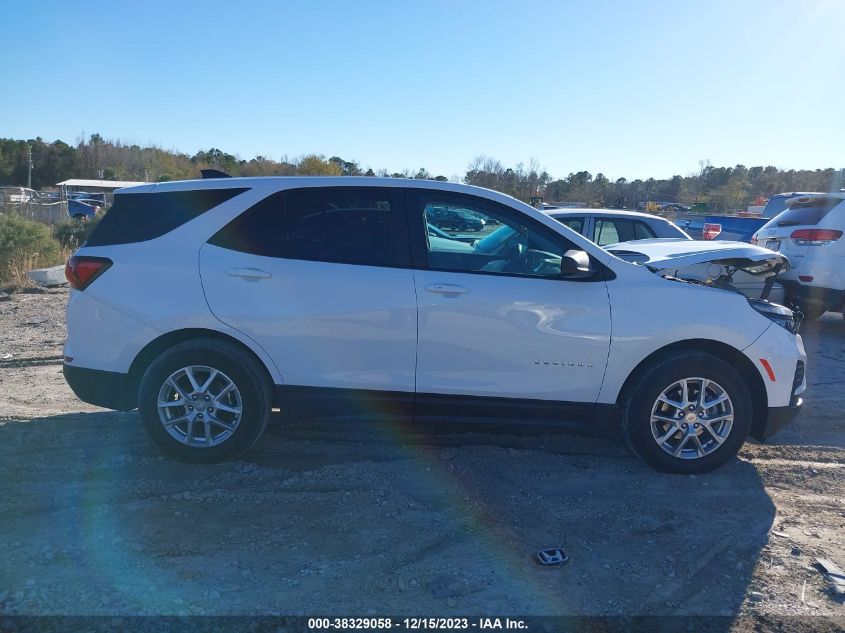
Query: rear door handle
<point x="251" y="274"/>
<point x="446" y="289"/>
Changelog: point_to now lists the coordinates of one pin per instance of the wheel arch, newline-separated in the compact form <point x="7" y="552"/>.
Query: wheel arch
<point x="155" y="347"/>
<point x="734" y="357"/>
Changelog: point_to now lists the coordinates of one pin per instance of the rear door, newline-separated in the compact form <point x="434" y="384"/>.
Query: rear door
<point x="320" y="278"/>
<point x="499" y="322"/>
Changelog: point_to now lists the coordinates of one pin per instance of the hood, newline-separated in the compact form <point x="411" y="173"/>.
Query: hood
<point x="667" y="256"/>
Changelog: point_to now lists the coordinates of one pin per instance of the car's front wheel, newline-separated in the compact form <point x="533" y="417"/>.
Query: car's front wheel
<point x="205" y="401"/>
<point x="688" y="413"/>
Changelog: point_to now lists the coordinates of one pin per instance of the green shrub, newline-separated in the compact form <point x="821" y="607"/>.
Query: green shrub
<point x="24" y="245"/>
<point x="72" y="233"/>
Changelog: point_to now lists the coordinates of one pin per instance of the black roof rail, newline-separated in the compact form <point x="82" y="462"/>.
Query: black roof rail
<point x="213" y="173"/>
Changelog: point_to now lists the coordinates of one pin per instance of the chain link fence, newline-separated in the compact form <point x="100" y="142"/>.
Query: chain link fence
<point x="47" y="212"/>
<point x="49" y="207"/>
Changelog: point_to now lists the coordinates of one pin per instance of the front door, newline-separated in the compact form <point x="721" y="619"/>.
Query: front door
<point x="495" y="318"/>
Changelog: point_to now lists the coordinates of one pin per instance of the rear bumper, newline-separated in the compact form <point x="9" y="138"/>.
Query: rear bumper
<point x="106" y="389"/>
<point x="778" y="417"/>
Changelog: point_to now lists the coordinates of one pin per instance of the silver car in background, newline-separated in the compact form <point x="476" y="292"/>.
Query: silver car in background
<point x="611" y="226"/>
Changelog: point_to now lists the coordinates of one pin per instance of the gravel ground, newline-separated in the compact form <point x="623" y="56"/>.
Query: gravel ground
<point x="388" y="518"/>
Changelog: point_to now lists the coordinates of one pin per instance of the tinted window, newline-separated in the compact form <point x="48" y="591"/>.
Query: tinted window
<point x="354" y="226"/>
<point x="137" y="217"/>
<point x="612" y="230"/>
<point x="574" y="223"/>
<point x="510" y="245"/>
<point x="810" y="212"/>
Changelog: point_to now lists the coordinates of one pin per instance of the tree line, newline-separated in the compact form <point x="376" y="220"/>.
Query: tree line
<point x="721" y="188"/>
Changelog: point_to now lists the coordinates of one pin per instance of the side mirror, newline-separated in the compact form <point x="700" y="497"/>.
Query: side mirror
<point x="575" y="264"/>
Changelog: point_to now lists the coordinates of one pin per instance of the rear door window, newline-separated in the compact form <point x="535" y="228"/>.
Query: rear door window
<point x="809" y="212"/>
<point x="138" y="217"/>
<point x="613" y="230"/>
<point x="358" y="225"/>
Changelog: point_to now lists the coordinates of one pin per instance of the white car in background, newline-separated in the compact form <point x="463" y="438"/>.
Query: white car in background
<point x="207" y="303"/>
<point x="626" y="231"/>
<point x="610" y="226"/>
<point x="810" y="234"/>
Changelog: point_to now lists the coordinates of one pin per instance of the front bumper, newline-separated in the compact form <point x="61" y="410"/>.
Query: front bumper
<point x="101" y="388"/>
<point x="777" y="418"/>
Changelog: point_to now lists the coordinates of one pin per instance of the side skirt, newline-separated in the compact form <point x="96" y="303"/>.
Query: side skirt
<point x="328" y="402"/>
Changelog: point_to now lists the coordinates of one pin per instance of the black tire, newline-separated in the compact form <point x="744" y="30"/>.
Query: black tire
<point x="249" y="377"/>
<point x="643" y="393"/>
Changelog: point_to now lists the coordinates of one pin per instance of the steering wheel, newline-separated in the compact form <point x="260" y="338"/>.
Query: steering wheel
<point x="516" y="259"/>
<point x="536" y="261"/>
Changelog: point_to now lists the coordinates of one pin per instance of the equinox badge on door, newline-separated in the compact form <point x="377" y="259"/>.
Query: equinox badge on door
<point x="562" y="363"/>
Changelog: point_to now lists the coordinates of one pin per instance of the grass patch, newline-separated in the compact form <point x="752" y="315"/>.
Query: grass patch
<point x="71" y="234"/>
<point x="24" y="245"/>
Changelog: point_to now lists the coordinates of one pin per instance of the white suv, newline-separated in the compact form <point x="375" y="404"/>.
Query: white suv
<point x="810" y="233"/>
<point x="207" y="303"/>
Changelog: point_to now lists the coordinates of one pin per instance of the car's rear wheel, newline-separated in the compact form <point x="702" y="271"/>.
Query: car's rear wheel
<point x="688" y="413"/>
<point x="205" y="401"/>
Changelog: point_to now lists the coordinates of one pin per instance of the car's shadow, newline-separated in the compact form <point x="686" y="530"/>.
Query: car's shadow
<point x="383" y="517"/>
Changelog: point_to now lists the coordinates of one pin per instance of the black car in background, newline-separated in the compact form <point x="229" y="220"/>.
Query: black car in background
<point x="454" y="219"/>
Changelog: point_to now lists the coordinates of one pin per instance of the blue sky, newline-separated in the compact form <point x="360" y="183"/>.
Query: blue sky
<point x="626" y="88"/>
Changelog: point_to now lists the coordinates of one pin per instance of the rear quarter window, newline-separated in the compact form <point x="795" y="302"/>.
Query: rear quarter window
<point x="810" y="212"/>
<point x="138" y="217"/>
<point x="670" y="229"/>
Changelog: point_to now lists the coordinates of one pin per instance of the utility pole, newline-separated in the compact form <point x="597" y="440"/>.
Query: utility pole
<point x="29" y="170"/>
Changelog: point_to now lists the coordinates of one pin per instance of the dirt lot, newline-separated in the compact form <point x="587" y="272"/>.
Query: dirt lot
<point x="392" y="519"/>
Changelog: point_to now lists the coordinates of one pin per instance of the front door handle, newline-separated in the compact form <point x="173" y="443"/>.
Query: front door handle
<point x="250" y="274"/>
<point x="446" y="289"/>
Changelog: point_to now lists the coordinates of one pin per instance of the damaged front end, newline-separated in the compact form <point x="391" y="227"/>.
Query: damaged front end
<point x="736" y="266"/>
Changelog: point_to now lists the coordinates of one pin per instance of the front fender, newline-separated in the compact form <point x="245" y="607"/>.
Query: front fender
<point x="650" y="313"/>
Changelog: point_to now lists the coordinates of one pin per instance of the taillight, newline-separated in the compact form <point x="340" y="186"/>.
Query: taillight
<point x="815" y="237"/>
<point x="753" y="239"/>
<point x="80" y="270"/>
<point x="712" y="231"/>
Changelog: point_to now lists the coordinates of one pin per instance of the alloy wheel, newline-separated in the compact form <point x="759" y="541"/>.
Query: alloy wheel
<point x="199" y="406"/>
<point x="692" y="418"/>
